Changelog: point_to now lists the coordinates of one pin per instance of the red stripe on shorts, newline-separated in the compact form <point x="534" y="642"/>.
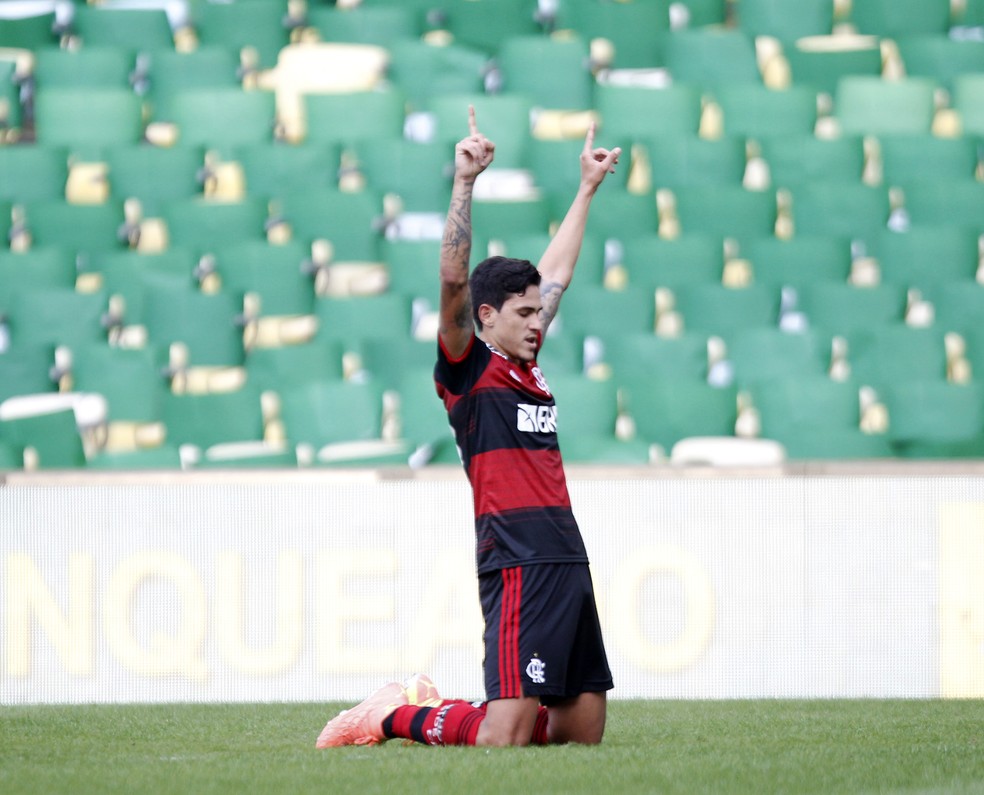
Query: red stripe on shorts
<point x="510" y="686"/>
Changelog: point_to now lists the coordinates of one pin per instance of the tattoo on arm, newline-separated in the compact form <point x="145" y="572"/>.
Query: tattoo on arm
<point x="455" y="254"/>
<point x="550" y="295"/>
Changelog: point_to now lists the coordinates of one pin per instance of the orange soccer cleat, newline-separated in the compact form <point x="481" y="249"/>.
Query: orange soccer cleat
<point x="363" y="724"/>
<point x="422" y="692"/>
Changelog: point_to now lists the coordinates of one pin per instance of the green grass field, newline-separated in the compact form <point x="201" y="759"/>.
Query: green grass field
<point x="650" y="747"/>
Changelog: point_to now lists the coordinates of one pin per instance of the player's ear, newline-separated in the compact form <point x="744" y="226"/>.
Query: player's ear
<point x="487" y="313"/>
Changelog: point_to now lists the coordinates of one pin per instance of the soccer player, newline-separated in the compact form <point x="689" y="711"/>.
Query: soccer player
<point x="546" y="671"/>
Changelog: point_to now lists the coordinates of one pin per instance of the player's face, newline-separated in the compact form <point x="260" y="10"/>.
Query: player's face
<point x="514" y="328"/>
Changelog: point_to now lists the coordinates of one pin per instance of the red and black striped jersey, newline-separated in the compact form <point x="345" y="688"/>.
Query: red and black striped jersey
<point x="505" y="424"/>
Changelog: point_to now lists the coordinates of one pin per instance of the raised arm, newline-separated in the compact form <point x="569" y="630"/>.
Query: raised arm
<point x="472" y="155"/>
<point x="557" y="263"/>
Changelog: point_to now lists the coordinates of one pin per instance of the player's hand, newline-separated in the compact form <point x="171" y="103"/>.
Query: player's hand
<point x="596" y="163"/>
<point x="472" y="155"/>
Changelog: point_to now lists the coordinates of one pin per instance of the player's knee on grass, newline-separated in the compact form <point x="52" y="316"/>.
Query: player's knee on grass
<point x="580" y="720"/>
<point x="508" y="722"/>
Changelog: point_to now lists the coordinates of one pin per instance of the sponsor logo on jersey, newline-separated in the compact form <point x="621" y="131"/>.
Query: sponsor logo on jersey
<point x="531" y="418"/>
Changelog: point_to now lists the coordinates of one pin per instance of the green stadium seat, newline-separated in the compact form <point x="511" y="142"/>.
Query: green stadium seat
<point x="341" y="421"/>
<point x="128" y="378"/>
<point x="711" y="57"/>
<point x="138" y="28"/>
<point x="941" y="202"/>
<point x="485" y="24"/>
<point x="280" y="275"/>
<point x="424" y="420"/>
<point x="935" y="419"/>
<point x="554" y="72"/>
<point x="10" y="457"/>
<point x="969" y="14"/>
<point x="797" y="159"/>
<point x="163" y="457"/>
<point x="786" y="20"/>
<point x="350" y="321"/>
<point x="764" y="354"/>
<point x="202" y="224"/>
<point x="414" y="268"/>
<point x="212" y="419"/>
<point x="620" y="24"/>
<point x="130" y="275"/>
<point x="387" y="360"/>
<point x="911" y="158"/>
<point x="677" y="160"/>
<point x="821" y="61"/>
<point x="618" y="214"/>
<point x="895" y="18"/>
<point x="966" y="99"/>
<point x="872" y="106"/>
<point x="959" y="307"/>
<point x="834" y="444"/>
<point x="362" y="24"/>
<point x="53" y="436"/>
<point x="840" y="308"/>
<point x="651" y="261"/>
<point x="350" y="221"/>
<point x="260" y="26"/>
<point x="926" y="256"/>
<point x="726" y="210"/>
<point x="83" y="228"/>
<point x="592" y="309"/>
<point x="353" y="117"/>
<point x="752" y="110"/>
<point x="421" y="71"/>
<point x="637" y="112"/>
<point x="520" y="216"/>
<point x="29" y="172"/>
<point x="36" y="268"/>
<point x="940" y="58"/>
<point x="275" y="169"/>
<point x="100" y="66"/>
<point x="82" y="117"/>
<point x="665" y="412"/>
<point x="155" y="175"/>
<point x="702" y="13"/>
<point x="419" y="174"/>
<point x="56" y="316"/>
<point x="26" y="369"/>
<point x="791" y="406"/>
<point x="285" y="366"/>
<point x="800" y="260"/>
<point x="209" y="326"/>
<point x="894" y="352"/>
<point x="681" y="358"/>
<point x="847" y="209"/>
<point x="30" y="32"/>
<point x="714" y="309"/>
<point x="168" y="72"/>
<point x="222" y="118"/>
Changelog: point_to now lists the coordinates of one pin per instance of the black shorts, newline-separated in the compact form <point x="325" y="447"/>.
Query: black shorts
<point x="542" y="634"/>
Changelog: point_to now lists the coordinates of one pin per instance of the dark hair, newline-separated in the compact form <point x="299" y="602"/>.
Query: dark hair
<point x="496" y="278"/>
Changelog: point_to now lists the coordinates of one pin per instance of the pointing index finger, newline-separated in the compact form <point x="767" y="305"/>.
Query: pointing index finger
<point x="589" y="138"/>
<point x="472" y="124"/>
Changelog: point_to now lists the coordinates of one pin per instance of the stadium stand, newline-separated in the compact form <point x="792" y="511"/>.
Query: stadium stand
<point x="795" y="224"/>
